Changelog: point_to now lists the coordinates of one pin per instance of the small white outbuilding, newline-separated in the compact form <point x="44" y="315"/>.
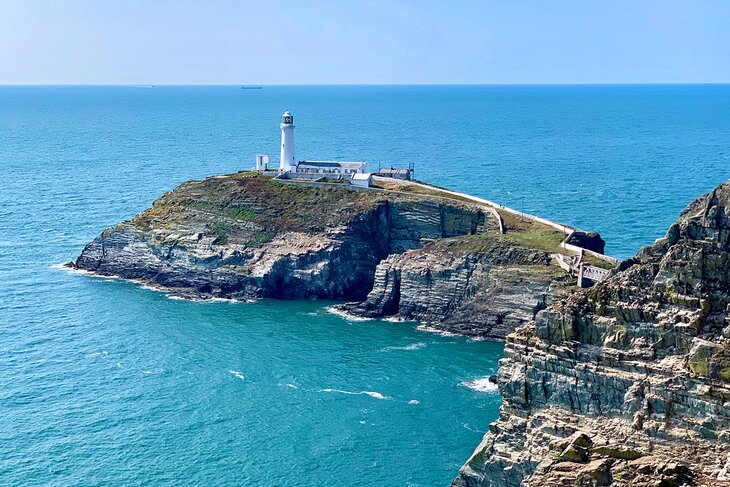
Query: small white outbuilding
<point x="364" y="179"/>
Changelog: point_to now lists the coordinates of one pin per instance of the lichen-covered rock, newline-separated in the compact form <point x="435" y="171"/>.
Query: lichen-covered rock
<point x="637" y="367"/>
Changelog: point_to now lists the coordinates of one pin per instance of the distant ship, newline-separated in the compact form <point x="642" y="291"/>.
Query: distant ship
<point x="252" y="87"/>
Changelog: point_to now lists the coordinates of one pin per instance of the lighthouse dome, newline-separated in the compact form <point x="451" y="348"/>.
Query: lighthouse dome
<point x="287" y="118"/>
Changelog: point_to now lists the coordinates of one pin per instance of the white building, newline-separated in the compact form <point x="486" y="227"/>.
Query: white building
<point x="287" y="162"/>
<point x="262" y="162"/>
<point x="332" y="168"/>
<point x="364" y="180"/>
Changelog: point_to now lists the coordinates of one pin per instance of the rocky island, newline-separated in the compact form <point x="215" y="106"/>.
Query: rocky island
<point x="408" y="252"/>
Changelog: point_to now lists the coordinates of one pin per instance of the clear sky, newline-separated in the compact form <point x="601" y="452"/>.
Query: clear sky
<point x="364" y="41"/>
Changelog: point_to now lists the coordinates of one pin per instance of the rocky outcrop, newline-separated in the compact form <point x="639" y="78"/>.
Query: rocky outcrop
<point x="485" y="292"/>
<point x="246" y="236"/>
<point x="586" y="240"/>
<point x="628" y="383"/>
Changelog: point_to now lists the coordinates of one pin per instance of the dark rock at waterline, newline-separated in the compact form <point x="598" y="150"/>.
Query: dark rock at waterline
<point x="587" y="240"/>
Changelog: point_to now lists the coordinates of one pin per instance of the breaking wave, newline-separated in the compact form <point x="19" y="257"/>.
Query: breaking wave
<point x="237" y="374"/>
<point x="481" y="385"/>
<point x="432" y="329"/>
<point x="412" y="346"/>
<point x="345" y="314"/>
<point x="374" y="394"/>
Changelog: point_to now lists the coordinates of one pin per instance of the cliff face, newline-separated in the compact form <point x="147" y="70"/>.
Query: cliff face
<point x="245" y="236"/>
<point x="627" y="383"/>
<point x="481" y="292"/>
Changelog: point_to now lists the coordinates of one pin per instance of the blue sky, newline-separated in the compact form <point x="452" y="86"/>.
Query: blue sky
<point x="364" y="42"/>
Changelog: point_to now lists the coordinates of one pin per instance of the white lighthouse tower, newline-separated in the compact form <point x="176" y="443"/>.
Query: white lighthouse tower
<point x="286" y="160"/>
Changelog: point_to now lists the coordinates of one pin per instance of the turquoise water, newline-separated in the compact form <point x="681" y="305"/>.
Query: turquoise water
<point x="103" y="382"/>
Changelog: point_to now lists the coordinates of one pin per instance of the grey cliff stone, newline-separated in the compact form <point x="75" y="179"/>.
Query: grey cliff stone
<point x="485" y="293"/>
<point x="628" y="383"/>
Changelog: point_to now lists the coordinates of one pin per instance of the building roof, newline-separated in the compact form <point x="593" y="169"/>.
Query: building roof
<point x="362" y="176"/>
<point x="331" y="164"/>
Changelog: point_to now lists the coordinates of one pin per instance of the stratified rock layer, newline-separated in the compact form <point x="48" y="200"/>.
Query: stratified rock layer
<point x="626" y="383"/>
<point x="485" y="292"/>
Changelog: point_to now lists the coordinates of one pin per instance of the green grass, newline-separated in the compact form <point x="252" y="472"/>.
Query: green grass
<point x="241" y="213"/>
<point x="596" y="262"/>
<point x="543" y="239"/>
<point x="259" y="237"/>
<point x="246" y="174"/>
<point x="221" y="233"/>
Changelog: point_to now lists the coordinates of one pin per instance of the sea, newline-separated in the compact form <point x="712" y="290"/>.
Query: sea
<point x="105" y="382"/>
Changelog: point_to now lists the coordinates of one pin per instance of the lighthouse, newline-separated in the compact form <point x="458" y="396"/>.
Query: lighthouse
<point x="286" y="160"/>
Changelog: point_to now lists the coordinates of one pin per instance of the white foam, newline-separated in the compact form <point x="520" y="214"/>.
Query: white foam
<point x="224" y="300"/>
<point x="374" y="394"/>
<point x="292" y="386"/>
<point x="481" y="385"/>
<point x="412" y="346"/>
<point x="83" y="272"/>
<point x="432" y="329"/>
<point x="149" y="286"/>
<point x="345" y="314"/>
<point x="414" y="401"/>
<point x="237" y="374"/>
<point x="112" y="277"/>
<point x="177" y="297"/>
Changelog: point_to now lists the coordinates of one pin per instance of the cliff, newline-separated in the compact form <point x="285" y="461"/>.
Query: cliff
<point x="480" y="286"/>
<point x="247" y="236"/>
<point x="627" y="383"/>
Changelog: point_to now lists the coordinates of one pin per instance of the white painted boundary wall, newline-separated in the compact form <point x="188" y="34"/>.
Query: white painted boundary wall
<point x="566" y="229"/>
<point x="575" y="248"/>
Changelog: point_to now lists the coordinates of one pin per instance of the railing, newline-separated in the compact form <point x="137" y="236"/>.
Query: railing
<point x="595" y="274"/>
